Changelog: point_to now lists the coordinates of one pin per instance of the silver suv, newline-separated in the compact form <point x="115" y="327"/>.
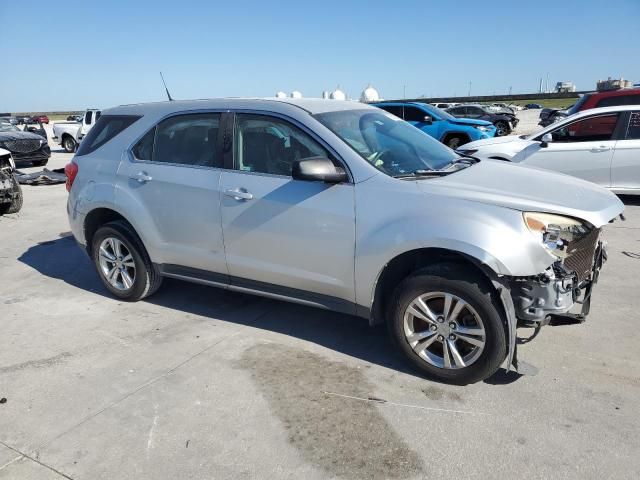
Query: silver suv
<point x="342" y="206"/>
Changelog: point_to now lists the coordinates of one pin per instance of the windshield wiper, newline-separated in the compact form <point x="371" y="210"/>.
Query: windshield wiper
<point x="423" y="173"/>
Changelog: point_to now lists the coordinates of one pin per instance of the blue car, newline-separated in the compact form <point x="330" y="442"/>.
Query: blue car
<point x="451" y="131"/>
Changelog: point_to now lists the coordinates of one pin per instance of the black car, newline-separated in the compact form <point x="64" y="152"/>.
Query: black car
<point x="74" y="118"/>
<point x="25" y="146"/>
<point x="504" y="122"/>
<point x="532" y="106"/>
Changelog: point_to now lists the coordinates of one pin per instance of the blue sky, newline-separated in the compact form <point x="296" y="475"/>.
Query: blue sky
<point x="61" y="55"/>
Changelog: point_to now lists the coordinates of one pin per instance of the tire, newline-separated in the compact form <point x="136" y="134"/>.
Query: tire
<point x="69" y="144"/>
<point x="502" y="129"/>
<point x="455" y="142"/>
<point x="479" y="317"/>
<point x="16" y="205"/>
<point x="119" y="238"/>
<point x="40" y="163"/>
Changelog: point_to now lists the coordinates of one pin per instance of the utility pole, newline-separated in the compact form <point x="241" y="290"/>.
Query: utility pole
<point x="469" y="94"/>
<point x="510" y="90"/>
<point x="404" y="92"/>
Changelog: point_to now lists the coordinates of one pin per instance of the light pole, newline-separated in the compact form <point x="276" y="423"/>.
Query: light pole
<point x="469" y="94"/>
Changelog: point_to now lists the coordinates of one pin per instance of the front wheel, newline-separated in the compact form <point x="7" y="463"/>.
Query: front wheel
<point x="447" y="324"/>
<point x="455" y="142"/>
<point x="502" y="129"/>
<point x="16" y="192"/>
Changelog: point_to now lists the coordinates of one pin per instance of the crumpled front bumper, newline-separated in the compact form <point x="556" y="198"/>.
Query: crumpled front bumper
<point x="556" y="292"/>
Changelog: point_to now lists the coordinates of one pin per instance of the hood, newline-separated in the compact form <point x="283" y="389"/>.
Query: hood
<point x="470" y="121"/>
<point x="529" y="189"/>
<point x="495" y="141"/>
<point x="4" y="136"/>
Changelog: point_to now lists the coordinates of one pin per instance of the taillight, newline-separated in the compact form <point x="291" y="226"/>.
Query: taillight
<point x="70" y="170"/>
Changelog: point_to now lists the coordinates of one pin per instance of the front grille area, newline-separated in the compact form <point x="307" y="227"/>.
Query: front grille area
<point x="23" y="145"/>
<point x="580" y="255"/>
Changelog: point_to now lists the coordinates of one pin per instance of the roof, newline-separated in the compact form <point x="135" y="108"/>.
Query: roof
<point x="310" y="105"/>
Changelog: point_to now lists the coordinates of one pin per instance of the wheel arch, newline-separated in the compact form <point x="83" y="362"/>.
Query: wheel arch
<point x="455" y="133"/>
<point x="98" y="217"/>
<point x="411" y="261"/>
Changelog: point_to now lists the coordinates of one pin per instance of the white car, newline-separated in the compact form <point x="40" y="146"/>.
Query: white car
<point x="601" y="145"/>
<point x="70" y="134"/>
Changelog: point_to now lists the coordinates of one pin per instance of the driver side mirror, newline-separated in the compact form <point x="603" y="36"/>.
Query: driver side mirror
<point x="428" y="119"/>
<point x="318" y="169"/>
<point x="547" y="138"/>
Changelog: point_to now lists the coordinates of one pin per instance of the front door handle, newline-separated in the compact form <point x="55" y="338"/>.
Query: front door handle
<point x="141" y="177"/>
<point x="238" y="194"/>
<point x="601" y="148"/>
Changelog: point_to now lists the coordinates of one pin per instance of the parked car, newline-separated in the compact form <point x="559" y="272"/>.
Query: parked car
<point x="11" y="119"/>
<point x="38" y="129"/>
<point x="601" y="145"/>
<point x="24" y="120"/>
<point x="444" y="106"/>
<point x="505" y="122"/>
<point x="342" y="206"/>
<point x="451" y="131"/>
<point x="10" y="191"/>
<point x="532" y="106"/>
<point x="39" y="119"/>
<point x="74" y="118"/>
<point x="70" y="134"/>
<point x="24" y="146"/>
<point x="504" y="107"/>
<point x="628" y="96"/>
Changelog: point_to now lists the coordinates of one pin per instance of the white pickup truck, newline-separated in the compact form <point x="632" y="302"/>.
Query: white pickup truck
<point x="69" y="134"/>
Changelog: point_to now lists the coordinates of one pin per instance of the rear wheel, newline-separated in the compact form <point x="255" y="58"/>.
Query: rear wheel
<point x="123" y="263"/>
<point x="69" y="144"/>
<point x="447" y="324"/>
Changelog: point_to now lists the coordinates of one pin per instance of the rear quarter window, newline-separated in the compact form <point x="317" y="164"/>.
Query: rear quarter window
<point x="619" y="100"/>
<point x="106" y="128"/>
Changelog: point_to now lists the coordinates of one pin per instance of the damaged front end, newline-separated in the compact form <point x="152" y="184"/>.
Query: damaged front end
<point x="564" y="289"/>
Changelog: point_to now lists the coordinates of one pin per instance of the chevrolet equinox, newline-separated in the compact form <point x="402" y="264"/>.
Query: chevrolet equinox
<point x="342" y="206"/>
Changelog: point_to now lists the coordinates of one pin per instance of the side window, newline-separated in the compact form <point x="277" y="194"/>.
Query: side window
<point x="633" y="129"/>
<point x="144" y="148"/>
<point x="270" y="145"/>
<point x="87" y="118"/>
<point x="413" y="114"/>
<point x="393" y="110"/>
<point x="107" y="127"/>
<point x="456" y="111"/>
<point x="185" y="139"/>
<point x="591" y="129"/>
<point x="619" y="100"/>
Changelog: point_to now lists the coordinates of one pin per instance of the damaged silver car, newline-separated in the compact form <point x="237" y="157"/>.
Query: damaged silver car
<point x="341" y="206"/>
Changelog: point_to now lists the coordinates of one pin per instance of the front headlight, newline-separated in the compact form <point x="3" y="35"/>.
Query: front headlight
<point x="484" y="128"/>
<point x="556" y="232"/>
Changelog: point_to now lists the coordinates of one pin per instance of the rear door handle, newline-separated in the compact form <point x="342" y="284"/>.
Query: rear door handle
<point x="601" y="148"/>
<point x="141" y="177"/>
<point x="238" y="194"/>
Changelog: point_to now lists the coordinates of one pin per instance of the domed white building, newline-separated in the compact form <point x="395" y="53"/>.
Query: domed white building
<point x="296" y="94"/>
<point x="370" y="94"/>
<point x="281" y="94"/>
<point x="338" y="94"/>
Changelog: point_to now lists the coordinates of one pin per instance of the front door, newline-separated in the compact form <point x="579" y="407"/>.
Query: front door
<point x="285" y="236"/>
<point x="172" y="178"/>
<point x="583" y="148"/>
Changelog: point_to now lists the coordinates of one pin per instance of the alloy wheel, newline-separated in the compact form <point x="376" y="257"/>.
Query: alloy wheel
<point x="117" y="264"/>
<point x="444" y="330"/>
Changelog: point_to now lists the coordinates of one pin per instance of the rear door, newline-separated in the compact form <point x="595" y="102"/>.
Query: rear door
<point x="625" y="167"/>
<point x="284" y="236"/>
<point x="172" y="175"/>
<point x="583" y="148"/>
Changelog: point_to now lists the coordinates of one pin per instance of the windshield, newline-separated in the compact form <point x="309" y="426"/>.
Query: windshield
<point x="7" y="127"/>
<point x="388" y="143"/>
<point x="578" y="104"/>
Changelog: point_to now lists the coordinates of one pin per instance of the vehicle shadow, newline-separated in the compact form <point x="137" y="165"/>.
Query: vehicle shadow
<point x="62" y="259"/>
<point x="630" y="199"/>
